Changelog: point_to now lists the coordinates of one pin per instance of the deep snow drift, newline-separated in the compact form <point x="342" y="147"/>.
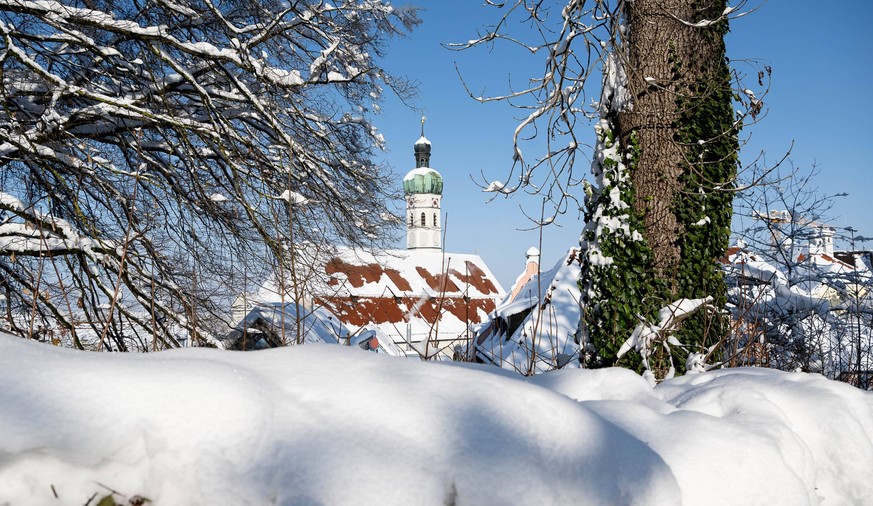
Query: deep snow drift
<point x="323" y="424"/>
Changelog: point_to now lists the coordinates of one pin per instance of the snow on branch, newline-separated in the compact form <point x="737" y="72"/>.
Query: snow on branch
<point x="728" y="13"/>
<point x="171" y="128"/>
<point x="551" y="103"/>
<point x="646" y="336"/>
<point x="38" y="233"/>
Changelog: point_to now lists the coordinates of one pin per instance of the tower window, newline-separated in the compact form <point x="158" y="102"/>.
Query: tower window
<point x="423" y="220"/>
<point x="434" y="219"/>
<point x="411" y="220"/>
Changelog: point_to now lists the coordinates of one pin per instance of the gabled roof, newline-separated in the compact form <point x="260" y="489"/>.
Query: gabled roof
<point x="405" y="273"/>
<point x="276" y="324"/>
<point x="411" y="294"/>
<point x="408" y="294"/>
<point x="535" y="331"/>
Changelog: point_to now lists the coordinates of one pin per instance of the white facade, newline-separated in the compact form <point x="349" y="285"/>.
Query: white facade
<point x="423" y="221"/>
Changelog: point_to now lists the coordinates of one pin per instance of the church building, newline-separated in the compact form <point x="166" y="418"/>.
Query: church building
<point x="421" y="298"/>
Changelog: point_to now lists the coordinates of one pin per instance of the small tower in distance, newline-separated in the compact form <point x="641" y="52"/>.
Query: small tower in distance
<point x="423" y="188"/>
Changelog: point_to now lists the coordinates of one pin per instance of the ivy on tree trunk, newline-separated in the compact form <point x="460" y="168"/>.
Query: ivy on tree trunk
<point x="678" y="136"/>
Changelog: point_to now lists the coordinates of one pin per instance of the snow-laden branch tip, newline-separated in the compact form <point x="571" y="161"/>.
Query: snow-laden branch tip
<point x="40" y="233"/>
<point x="725" y="15"/>
<point x="496" y="187"/>
<point x="293" y="198"/>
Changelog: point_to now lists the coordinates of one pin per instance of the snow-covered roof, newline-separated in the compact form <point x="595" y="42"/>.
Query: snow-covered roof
<point x="422" y="141"/>
<point x="317" y="325"/>
<point x="811" y="285"/>
<point x="435" y="293"/>
<point x="420" y="171"/>
<point x="751" y="265"/>
<point x="535" y="331"/>
<point x="813" y="268"/>
<point x="411" y="272"/>
<point x="423" y="180"/>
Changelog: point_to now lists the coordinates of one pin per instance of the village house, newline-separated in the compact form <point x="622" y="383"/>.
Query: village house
<point x="799" y="282"/>
<point x="533" y="330"/>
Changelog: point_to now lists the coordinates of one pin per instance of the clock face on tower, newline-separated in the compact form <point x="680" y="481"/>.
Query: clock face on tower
<point x="436" y="203"/>
<point x="410" y="201"/>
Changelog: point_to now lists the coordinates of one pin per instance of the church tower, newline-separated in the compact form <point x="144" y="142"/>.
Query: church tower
<point x="423" y="188"/>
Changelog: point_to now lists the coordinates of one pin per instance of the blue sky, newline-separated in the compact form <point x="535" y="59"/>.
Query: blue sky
<point x="821" y="99"/>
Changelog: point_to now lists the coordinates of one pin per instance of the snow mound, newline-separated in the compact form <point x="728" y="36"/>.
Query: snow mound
<point x="320" y="424"/>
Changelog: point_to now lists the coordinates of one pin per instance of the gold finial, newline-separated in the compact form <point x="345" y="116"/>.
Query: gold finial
<point x="423" y="118"/>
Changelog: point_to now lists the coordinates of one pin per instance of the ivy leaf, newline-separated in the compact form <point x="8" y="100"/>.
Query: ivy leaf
<point x="107" y="500"/>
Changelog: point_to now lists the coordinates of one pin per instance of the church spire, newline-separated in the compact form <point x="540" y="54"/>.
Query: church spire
<point x="422" y="148"/>
<point x="423" y="187"/>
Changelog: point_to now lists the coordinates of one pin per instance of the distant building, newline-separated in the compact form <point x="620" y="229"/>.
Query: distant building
<point x="423" y="188"/>
<point x="271" y="325"/>
<point x="422" y="299"/>
<point x="797" y="302"/>
<point x="533" y="330"/>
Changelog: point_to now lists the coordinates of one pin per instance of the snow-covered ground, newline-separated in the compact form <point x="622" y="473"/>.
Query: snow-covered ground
<point x="325" y="424"/>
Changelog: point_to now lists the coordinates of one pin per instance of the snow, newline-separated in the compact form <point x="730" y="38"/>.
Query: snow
<point x="43" y="232"/>
<point x="530" y="335"/>
<point x="645" y="334"/>
<point x="283" y="77"/>
<point x="409" y="279"/>
<point x="419" y="171"/>
<point x="326" y="424"/>
<point x="495" y="186"/>
<point x="614" y="96"/>
<point x="293" y="197"/>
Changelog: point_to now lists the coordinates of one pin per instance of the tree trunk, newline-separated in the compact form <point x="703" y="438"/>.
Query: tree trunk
<point x="677" y="140"/>
<point x="668" y="62"/>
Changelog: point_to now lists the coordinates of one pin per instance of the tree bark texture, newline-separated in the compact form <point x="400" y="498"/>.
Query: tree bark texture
<point x="666" y="61"/>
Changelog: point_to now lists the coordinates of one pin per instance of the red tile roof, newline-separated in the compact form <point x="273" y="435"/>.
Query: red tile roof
<point x="416" y="287"/>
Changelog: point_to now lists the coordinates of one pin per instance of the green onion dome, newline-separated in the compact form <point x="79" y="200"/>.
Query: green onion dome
<point x="423" y="180"/>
